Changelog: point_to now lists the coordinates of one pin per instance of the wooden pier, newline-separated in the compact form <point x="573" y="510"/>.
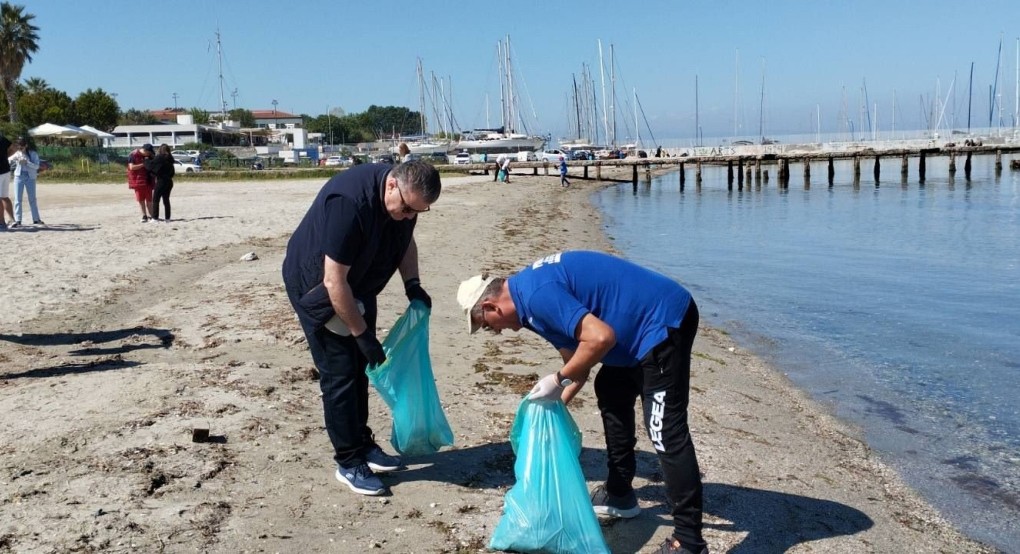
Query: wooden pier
<point x="744" y="167"/>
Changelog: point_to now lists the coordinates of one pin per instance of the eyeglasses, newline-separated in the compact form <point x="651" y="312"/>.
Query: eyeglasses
<point x="406" y="208"/>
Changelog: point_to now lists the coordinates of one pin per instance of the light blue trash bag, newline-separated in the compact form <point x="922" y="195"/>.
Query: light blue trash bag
<point x="548" y="509"/>
<point x="406" y="384"/>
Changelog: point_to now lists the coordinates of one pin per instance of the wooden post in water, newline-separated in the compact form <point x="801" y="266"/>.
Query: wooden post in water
<point x="697" y="173"/>
<point x="634" y="175"/>
<point x="952" y="162"/>
<point x="740" y="173"/>
<point x="586" y="171"/>
<point x="598" y="170"/>
<point x="904" y="166"/>
<point x="832" y="171"/>
<point x="748" y="174"/>
<point x="765" y="175"/>
<point x="878" y="168"/>
<point x="857" y="168"/>
<point x="729" y="174"/>
<point x="807" y="169"/>
<point x="966" y="166"/>
<point x="920" y="167"/>
<point x="683" y="176"/>
<point x="998" y="160"/>
<point x="757" y="170"/>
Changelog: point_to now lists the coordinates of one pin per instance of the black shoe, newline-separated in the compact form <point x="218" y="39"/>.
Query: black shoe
<point x="614" y="506"/>
<point x="38" y="222"/>
<point x="673" y="546"/>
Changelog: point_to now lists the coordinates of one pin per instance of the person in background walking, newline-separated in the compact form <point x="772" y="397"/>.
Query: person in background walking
<point x="5" y="182"/>
<point x="139" y="179"/>
<point x="404" y="152"/>
<point x="563" y="173"/>
<point x="161" y="167"/>
<point x="25" y="162"/>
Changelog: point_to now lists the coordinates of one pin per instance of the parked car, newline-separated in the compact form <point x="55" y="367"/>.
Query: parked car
<point x="438" y="158"/>
<point x="183" y="155"/>
<point x="554" y="155"/>
<point x="334" y="161"/>
<point x="462" y="158"/>
<point x="384" y="159"/>
<point x="186" y="167"/>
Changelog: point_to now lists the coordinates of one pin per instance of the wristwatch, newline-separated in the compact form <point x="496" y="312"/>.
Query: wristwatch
<point x="563" y="381"/>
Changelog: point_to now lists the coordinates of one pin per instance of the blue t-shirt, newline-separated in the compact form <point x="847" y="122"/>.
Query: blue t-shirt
<point x="553" y="294"/>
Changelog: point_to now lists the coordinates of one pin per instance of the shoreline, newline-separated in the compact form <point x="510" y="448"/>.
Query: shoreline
<point x="119" y="338"/>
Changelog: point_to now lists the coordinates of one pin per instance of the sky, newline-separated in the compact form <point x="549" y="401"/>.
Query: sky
<point x="818" y="59"/>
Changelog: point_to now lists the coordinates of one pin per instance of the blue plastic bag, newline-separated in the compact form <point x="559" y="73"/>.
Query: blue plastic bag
<point x="548" y="509"/>
<point x="406" y="384"/>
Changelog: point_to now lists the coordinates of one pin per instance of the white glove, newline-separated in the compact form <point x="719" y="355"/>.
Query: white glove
<point x="546" y="389"/>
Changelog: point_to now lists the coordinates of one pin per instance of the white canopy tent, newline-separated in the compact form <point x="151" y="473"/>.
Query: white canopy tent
<point x="103" y="135"/>
<point x="57" y="131"/>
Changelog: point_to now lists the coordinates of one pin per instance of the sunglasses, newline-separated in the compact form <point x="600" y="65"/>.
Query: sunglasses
<point x="406" y="208"/>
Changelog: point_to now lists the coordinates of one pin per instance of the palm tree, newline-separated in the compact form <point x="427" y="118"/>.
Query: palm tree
<point x="18" y="41"/>
<point x="36" y="85"/>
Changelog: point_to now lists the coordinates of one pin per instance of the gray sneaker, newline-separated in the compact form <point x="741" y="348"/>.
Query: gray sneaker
<point x="614" y="506"/>
<point x="360" y="479"/>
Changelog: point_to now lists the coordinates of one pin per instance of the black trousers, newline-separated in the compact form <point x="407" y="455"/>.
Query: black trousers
<point x="662" y="380"/>
<point x="161" y="192"/>
<point x="344" y="386"/>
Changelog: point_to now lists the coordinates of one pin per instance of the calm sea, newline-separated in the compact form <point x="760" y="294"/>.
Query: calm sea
<point x="897" y="305"/>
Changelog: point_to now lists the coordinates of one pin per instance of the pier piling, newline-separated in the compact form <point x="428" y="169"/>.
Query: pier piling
<point x="832" y="171"/>
<point x="952" y="162"/>
<point x="683" y="176"/>
<point x="998" y="160"/>
<point x="729" y="174"/>
<point x="921" y="167"/>
<point x="878" y="168"/>
<point x="904" y="165"/>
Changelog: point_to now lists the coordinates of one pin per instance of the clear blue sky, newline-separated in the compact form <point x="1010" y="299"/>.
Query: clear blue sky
<point x="314" y="54"/>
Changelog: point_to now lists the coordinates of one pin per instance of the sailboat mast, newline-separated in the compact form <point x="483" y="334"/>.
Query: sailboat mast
<point x="421" y="99"/>
<point x="502" y="84"/>
<point x="736" y="96"/>
<point x="219" y="57"/>
<point x="970" y="95"/>
<point x="697" y="123"/>
<point x="637" y="128"/>
<point x="605" y="109"/>
<point x="761" y="105"/>
<point x="995" y="87"/>
<point x="511" y="111"/>
<point x="577" y="107"/>
<point x="612" y="89"/>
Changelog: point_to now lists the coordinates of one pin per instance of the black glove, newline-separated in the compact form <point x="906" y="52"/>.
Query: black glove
<point x="370" y="347"/>
<point x="413" y="290"/>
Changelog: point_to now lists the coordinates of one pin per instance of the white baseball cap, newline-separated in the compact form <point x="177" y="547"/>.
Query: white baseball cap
<point x="468" y="294"/>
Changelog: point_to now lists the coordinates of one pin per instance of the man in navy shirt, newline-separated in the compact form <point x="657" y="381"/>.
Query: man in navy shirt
<point x="640" y="325"/>
<point x="358" y="232"/>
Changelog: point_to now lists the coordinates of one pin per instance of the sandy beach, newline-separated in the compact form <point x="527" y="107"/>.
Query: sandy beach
<point x="118" y="338"/>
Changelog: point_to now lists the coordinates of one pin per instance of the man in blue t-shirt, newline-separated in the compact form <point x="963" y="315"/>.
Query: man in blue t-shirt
<point x="640" y="325"/>
<point x="357" y="233"/>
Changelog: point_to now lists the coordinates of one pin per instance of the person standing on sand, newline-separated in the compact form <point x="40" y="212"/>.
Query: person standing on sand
<point x="640" y="325"/>
<point x="161" y="167"/>
<point x="25" y="162"/>
<point x="358" y="232"/>
<point x="5" y="182"/>
<point x="563" y="173"/>
<point x="140" y="180"/>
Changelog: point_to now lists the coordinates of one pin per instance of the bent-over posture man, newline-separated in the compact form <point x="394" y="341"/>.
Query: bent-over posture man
<point x="357" y="233"/>
<point x="640" y="325"/>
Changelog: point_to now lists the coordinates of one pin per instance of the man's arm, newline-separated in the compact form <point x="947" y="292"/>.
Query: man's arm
<point x="342" y="297"/>
<point x="409" y="264"/>
<point x="594" y="340"/>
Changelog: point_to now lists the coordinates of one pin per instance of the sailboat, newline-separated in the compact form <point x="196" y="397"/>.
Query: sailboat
<point x="424" y="144"/>
<point x="504" y="139"/>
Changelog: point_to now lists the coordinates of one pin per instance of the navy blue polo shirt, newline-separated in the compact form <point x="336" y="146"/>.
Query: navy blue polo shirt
<point x="554" y="294"/>
<point x="5" y="166"/>
<point x="348" y="222"/>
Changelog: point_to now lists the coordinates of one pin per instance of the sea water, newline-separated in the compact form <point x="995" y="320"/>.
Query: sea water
<point x="896" y="304"/>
